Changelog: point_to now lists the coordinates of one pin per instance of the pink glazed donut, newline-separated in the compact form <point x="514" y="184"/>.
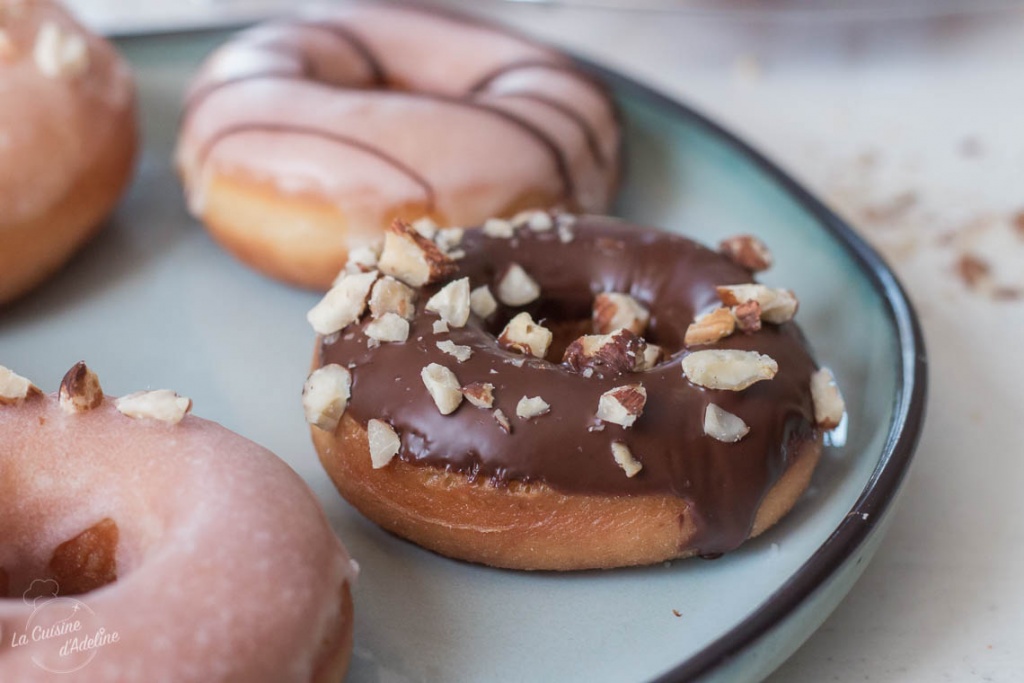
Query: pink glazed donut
<point x="306" y="138"/>
<point x="140" y="543"/>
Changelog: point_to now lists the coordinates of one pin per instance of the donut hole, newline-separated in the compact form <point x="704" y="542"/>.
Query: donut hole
<point x="80" y="564"/>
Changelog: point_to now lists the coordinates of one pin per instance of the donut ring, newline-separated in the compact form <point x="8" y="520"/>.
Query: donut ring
<point x="204" y="554"/>
<point x="304" y="139"/>
<point x="583" y="452"/>
<point x="68" y="133"/>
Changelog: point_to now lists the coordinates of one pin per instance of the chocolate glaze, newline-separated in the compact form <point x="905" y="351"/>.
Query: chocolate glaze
<point x="675" y="278"/>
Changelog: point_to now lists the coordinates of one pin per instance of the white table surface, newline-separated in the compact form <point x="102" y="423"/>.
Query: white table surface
<point x="914" y="131"/>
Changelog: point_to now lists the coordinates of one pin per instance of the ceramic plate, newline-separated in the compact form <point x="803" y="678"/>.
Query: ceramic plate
<point x="154" y="303"/>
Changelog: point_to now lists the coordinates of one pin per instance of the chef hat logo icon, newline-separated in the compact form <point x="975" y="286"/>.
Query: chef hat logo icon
<point x="40" y="591"/>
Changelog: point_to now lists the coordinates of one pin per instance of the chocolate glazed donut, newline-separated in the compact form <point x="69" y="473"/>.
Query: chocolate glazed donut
<point x="687" y="418"/>
<point x="302" y="139"/>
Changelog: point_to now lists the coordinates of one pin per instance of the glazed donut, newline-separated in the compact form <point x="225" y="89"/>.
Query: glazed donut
<point x="67" y="139"/>
<point x="570" y="393"/>
<point x="303" y="139"/>
<point x="187" y="552"/>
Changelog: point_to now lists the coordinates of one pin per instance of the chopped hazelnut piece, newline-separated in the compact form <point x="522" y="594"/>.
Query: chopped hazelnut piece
<point x="748" y="316"/>
<point x="412" y="258"/>
<point x="650" y="358"/>
<point x="80" y="390"/>
<point x="325" y="396"/>
<point x="457" y="351"/>
<point x="624" y="457"/>
<point x="480" y="394"/>
<point x="384" y="443"/>
<point x="361" y="260"/>
<point x="516" y="287"/>
<point x="426" y="227"/>
<point x="343" y="304"/>
<point x="391" y="296"/>
<point x="618" y="352"/>
<point x="524" y="335"/>
<point x="440" y="327"/>
<point x="163" y="405"/>
<point x="710" y="327"/>
<point x="390" y="327"/>
<point x="728" y="368"/>
<point x="528" y="408"/>
<point x="482" y="302"/>
<point x="452" y="303"/>
<point x="777" y="305"/>
<point x="14" y="388"/>
<point x="448" y="238"/>
<point x="59" y="53"/>
<point x="722" y="425"/>
<point x="443" y="387"/>
<point x="622" y="405"/>
<point x="502" y="421"/>
<point x="613" y="311"/>
<point x="828" y="401"/>
<point x="747" y="252"/>
<point x="498" y="228"/>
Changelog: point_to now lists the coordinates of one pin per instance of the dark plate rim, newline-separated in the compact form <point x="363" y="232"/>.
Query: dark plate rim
<point x="907" y="416"/>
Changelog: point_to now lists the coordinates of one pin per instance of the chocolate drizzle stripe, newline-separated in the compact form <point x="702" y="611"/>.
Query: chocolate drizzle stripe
<point x="589" y="134"/>
<point x="354" y="41"/>
<point x="258" y="127"/>
<point x="196" y="99"/>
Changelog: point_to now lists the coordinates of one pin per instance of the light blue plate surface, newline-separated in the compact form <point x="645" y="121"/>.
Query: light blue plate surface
<point x="153" y="303"/>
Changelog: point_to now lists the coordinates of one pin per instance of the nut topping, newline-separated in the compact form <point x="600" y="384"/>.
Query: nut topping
<point x="622" y="405"/>
<point x="516" y="287"/>
<point x="425" y="226"/>
<point x="59" y="53"/>
<point x="528" y="408"/>
<point x="452" y="302"/>
<point x="613" y="311"/>
<point x="14" y="388"/>
<point x="361" y="260"/>
<point x="163" y="405"/>
<point x="498" y="228"/>
<point x="524" y="335"/>
<point x="502" y="421"/>
<point x="828" y="401"/>
<point x="343" y="304"/>
<point x="457" y="351"/>
<point x="384" y="443"/>
<point x="618" y="352"/>
<point x="728" y="368"/>
<point x="747" y="252"/>
<point x="412" y="258"/>
<point x="710" y="327"/>
<point x="777" y="305"/>
<point x="80" y="390"/>
<point x="447" y="239"/>
<point x="443" y="387"/>
<point x="482" y="302"/>
<point x="390" y="327"/>
<point x="650" y="358"/>
<point x="480" y="394"/>
<point x="391" y="296"/>
<point x="748" y="316"/>
<point x="624" y="457"/>
<point x="440" y="326"/>
<point x="722" y="425"/>
<point x="325" y="396"/>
